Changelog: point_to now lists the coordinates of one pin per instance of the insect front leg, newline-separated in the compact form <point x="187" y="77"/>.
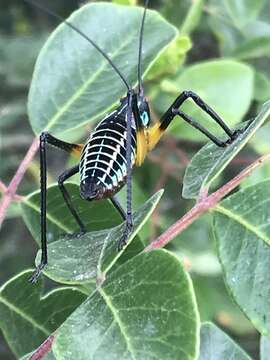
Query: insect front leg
<point x="174" y="110"/>
<point x="71" y="148"/>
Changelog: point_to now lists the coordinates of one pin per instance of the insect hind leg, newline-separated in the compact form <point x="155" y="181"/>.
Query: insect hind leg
<point x="202" y="129"/>
<point x="44" y="139"/>
<point x="174" y="110"/>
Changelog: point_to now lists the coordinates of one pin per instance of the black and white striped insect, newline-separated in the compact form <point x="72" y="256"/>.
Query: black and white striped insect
<point x="118" y="143"/>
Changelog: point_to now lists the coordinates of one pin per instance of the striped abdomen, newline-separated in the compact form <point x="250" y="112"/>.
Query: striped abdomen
<point x="103" y="167"/>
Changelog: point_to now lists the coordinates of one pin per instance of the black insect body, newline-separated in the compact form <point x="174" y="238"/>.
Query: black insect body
<point x="118" y="143"/>
<point x="103" y="167"/>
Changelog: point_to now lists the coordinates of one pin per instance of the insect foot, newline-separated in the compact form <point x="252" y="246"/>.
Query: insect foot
<point x="33" y="278"/>
<point x="123" y="240"/>
<point x="235" y="135"/>
<point x="72" y="235"/>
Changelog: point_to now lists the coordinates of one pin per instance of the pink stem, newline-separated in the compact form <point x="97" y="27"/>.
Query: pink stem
<point x="12" y="188"/>
<point x="4" y="189"/>
<point x="43" y="349"/>
<point x="204" y="204"/>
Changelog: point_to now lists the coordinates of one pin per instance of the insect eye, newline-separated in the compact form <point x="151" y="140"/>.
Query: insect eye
<point x="145" y="118"/>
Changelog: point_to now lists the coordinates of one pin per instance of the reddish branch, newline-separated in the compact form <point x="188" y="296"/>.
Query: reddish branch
<point x="43" y="349"/>
<point x="204" y="204"/>
<point x="4" y="190"/>
<point x="10" y="191"/>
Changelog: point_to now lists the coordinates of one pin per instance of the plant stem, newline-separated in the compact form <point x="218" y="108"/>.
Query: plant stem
<point x="10" y="192"/>
<point x="43" y="349"/>
<point x="204" y="204"/>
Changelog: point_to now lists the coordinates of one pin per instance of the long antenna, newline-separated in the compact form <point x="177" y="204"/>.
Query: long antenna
<point x="48" y="11"/>
<point x="140" y="48"/>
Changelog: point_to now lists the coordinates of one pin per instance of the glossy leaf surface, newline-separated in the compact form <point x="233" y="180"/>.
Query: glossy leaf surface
<point x="144" y="310"/>
<point x="27" y="319"/>
<point x="242" y="230"/>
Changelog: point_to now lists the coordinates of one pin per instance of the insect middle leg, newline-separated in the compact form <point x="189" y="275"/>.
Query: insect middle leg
<point x="46" y="138"/>
<point x="62" y="178"/>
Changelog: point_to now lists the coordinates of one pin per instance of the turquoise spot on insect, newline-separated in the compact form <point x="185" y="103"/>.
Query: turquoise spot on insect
<point x="145" y="118"/>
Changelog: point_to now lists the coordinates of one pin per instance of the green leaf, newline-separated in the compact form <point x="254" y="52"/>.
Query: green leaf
<point x="171" y="59"/>
<point x="226" y="85"/>
<point x="125" y="2"/>
<point x="26" y="318"/>
<point x="260" y="141"/>
<point x="242" y="230"/>
<point x="243" y="11"/>
<point x="72" y="82"/>
<point x="80" y="260"/>
<point x="260" y="174"/>
<point x="215" y="344"/>
<point x="95" y="215"/>
<point x="262" y="87"/>
<point x="211" y="160"/>
<point x="144" y="310"/>
<point x="214" y="302"/>
<point x="253" y="48"/>
<point x="17" y="73"/>
<point x="264" y="348"/>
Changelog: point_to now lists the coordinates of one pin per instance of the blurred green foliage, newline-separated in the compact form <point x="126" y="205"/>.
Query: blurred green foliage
<point x="223" y="53"/>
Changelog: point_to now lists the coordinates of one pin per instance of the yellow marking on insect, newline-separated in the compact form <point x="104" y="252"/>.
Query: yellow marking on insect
<point x="146" y="141"/>
<point x="77" y="150"/>
<point x="142" y="146"/>
<point x="154" y="135"/>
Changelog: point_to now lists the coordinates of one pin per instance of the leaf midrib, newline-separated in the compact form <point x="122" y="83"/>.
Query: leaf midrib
<point x="48" y="216"/>
<point x="118" y="321"/>
<point x="239" y="219"/>
<point x="84" y="86"/>
<point x="23" y="315"/>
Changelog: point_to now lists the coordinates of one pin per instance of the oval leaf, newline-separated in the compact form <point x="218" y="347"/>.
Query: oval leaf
<point x="79" y="260"/>
<point x="242" y="229"/>
<point x="26" y="318"/>
<point x="144" y="310"/>
<point x="211" y="160"/>
<point x="73" y="83"/>
<point x="253" y="48"/>
<point x="215" y="344"/>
